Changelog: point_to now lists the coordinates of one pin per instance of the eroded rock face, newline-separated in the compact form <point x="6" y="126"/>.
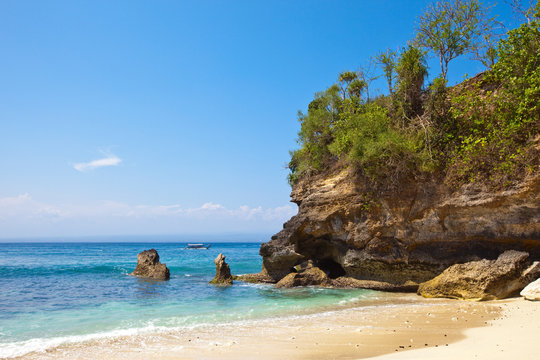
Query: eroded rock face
<point x="532" y="291"/>
<point x="484" y="279"/>
<point x="223" y="272"/>
<point x="148" y="266"/>
<point x="411" y="234"/>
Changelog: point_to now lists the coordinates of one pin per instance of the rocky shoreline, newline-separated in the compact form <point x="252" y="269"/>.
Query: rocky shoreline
<point x="403" y="237"/>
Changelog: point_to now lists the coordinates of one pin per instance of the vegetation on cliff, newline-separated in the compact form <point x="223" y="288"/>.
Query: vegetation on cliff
<point x="485" y="129"/>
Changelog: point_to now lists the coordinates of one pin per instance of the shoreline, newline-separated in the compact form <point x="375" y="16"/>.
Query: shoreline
<point x="418" y="328"/>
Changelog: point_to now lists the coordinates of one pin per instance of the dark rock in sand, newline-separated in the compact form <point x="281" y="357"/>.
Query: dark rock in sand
<point x="484" y="279"/>
<point x="223" y="272"/>
<point x="148" y="266"/>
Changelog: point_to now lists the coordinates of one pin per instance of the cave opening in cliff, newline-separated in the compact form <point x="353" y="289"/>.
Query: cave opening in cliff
<point x="332" y="268"/>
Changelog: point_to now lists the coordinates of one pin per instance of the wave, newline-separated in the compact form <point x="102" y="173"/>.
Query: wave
<point x="37" y="345"/>
<point x="20" y="348"/>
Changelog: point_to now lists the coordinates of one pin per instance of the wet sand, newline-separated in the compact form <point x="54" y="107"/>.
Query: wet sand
<point x="414" y="328"/>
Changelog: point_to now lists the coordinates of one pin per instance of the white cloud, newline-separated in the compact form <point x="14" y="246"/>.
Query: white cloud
<point x="23" y="206"/>
<point x="23" y="216"/>
<point x="110" y="160"/>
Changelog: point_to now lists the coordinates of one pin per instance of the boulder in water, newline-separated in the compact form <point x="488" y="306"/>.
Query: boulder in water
<point x="223" y="272"/>
<point x="148" y="266"/>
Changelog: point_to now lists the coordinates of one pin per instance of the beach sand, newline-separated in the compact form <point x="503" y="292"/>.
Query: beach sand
<point x="414" y="329"/>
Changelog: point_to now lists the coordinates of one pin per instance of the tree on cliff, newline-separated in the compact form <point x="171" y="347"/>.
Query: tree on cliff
<point x="450" y="29"/>
<point x="411" y="72"/>
<point x="387" y="60"/>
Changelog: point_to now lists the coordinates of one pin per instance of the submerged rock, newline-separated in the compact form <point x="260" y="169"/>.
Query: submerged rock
<point x="484" y="279"/>
<point x="532" y="291"/>
<point x="309" y="277"/>
<point x="223" y="272"/>
<point x="148" y="266"/>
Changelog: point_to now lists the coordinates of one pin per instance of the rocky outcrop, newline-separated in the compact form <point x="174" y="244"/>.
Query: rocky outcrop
<point x="254" y="278"/>
<point x="411" y="233"/>
<point x="148" y="266"/>
<point x="306" y="274"/>
<point x="484" y="279"/>
<point x="223" y="272"/>
<point x="532" y="291"/>
<point x="308" y="277"/>
<point x="352" y="283"/>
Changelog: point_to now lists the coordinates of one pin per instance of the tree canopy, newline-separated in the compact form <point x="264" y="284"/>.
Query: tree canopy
<point x="449" y="29"/>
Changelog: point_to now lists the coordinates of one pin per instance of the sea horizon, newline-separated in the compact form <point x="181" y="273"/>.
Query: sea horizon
<point x="225" y="237"/>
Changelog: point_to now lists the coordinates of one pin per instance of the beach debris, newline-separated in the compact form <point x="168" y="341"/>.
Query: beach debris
<point x="484" y="279"/>
<point x="223" y="272"/>
<point x="148" y="266"/>
<point x="532" y="291"/>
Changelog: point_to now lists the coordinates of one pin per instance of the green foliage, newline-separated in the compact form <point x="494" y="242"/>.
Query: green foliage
<point x="316" y="132"/>
<point x="357" y="133"/>
<point x="449" y="28"/>
<point x="518" y="71"/>
<point x="491" y="136"/>
<point x="485" y="129"/>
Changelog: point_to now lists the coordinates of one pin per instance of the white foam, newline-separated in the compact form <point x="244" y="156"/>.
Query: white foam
<point x="20" y="348"/>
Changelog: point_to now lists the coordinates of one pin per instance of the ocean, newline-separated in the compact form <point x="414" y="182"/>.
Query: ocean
<point x="54" y="294"/>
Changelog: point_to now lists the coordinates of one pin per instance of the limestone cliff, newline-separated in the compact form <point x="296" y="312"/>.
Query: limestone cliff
<point x="412" y="233"/>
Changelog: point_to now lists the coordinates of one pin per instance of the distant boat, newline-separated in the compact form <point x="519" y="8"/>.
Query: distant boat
<point x="198" y="246"/>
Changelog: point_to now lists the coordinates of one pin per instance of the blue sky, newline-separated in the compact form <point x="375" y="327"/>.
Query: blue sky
<point x="169" y="117"/>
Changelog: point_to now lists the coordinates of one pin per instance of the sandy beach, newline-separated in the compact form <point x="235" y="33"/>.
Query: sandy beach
<point x="415" y="329"/>
<point x="513" y="334"/>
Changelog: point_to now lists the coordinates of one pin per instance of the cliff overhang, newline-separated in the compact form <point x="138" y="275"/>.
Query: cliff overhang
<point x="408" y="234"/>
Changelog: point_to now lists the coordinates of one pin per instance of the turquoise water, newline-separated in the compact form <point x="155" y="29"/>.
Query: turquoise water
<point x="52" y="293"/>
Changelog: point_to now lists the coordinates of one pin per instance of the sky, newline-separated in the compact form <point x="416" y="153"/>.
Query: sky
<point x="172" y="117"/>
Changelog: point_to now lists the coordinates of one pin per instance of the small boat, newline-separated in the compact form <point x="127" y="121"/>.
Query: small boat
<point x="198" y="246"/>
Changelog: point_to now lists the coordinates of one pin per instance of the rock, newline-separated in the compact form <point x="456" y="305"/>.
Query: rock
<point x="223" y="272"/>
<point x="532" y="291"/>
<point x="304" y="266"/>
<point x="257" y="278"/>
<point x="484" y="279"/>
<point x="410" y="233"/>
<point x="352" y="283"/>
<point x="278" y="261"/>
<point x="309" y="277"/>
<point x="148" y="266"/>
